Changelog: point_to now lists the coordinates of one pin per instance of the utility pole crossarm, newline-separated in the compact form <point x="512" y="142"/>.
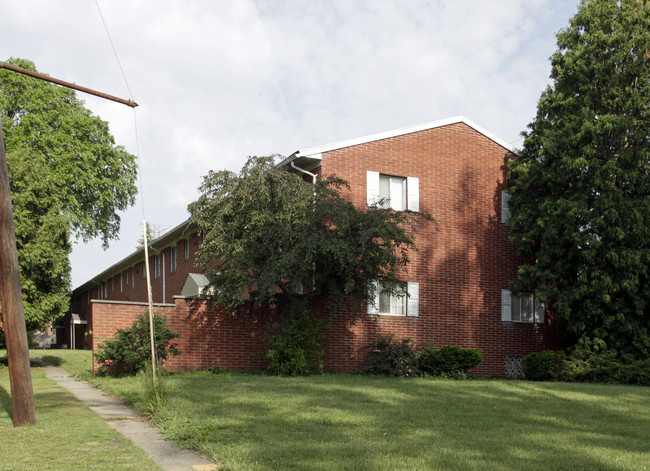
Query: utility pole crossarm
<point x="31" y="73"/>
<point x="13" y="313"/>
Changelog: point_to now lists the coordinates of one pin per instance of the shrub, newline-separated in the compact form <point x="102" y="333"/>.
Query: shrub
<point x="544" y="366"/>
<point x="130" y="349"/>
<point x="448" y="360"/>
<point x="391" y="357"/>
<point x="605" y="366"/>
<point x="295" y="344"/>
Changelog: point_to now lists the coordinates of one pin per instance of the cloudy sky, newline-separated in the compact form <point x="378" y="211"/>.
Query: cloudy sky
<point x="220" y="80"/>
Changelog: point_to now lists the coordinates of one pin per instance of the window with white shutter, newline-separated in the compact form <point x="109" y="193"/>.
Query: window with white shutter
<point x="521" y="307"/>
<point x="398" y="193"/>
<point x="405" y="303"/>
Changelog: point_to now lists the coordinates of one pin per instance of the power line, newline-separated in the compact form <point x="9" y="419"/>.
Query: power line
<point x="135" y="121"/>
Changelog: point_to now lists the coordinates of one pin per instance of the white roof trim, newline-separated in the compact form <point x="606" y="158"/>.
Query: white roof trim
<point x="316" y="152"/>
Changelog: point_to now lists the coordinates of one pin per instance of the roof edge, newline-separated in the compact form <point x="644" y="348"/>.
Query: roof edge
<point x="138" y="255"/>
<point x="312" y="151"/>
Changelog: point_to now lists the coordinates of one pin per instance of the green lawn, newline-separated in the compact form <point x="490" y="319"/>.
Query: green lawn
<point x="67" y="435"/>
<point x="350" y="422"/>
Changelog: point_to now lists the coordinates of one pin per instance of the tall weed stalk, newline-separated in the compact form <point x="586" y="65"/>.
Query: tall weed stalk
<point x="154" y="397"/>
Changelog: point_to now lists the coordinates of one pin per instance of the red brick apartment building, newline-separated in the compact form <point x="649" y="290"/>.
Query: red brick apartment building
<point x="457" y="282"/>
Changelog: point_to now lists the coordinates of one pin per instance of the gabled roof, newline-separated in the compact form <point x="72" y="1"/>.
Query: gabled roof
<point x="315" y="153"/>
<point x="181" y="231"/>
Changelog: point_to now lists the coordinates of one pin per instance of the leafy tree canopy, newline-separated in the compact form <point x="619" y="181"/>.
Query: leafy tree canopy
<point x="42" y="238"/>
<point x="94" y="177"/>
<point x="266" y="230"/>
<point x="580" y="190"/>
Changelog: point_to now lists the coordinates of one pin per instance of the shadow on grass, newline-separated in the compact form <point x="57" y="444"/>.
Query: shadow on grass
<point x="52" y="360"/>
<point x="383" y="424"/>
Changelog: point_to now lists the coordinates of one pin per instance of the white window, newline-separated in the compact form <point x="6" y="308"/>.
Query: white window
<point x="133" y="277"/>
<point x="405" y="303"/>
<point x="399" y="193"/>
<point x="521" y="307"/>
<point x="156" y="266"/>
<point x="505" y="209"/>
<point x="172" y="259"/>
<point x="121" y="283"/>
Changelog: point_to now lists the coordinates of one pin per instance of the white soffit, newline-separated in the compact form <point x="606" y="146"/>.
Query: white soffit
<point x="316" y="152"/>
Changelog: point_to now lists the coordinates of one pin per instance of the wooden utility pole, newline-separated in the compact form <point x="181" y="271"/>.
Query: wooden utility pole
<point x="13" y="313"/>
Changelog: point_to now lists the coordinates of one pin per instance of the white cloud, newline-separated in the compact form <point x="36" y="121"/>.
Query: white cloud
<point x="218" y="81"/>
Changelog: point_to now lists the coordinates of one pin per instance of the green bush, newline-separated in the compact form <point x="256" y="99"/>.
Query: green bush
<point x="605" y="366"/>
<point x="130" y="349"/>
<point x="448" y="360"/>
<point x="544" y="366"/>
<point x="295" y="344"/>
<point x="391" y="357"/>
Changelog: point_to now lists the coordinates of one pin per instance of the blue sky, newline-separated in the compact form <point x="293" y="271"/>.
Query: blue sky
<point x="221" y="80"/>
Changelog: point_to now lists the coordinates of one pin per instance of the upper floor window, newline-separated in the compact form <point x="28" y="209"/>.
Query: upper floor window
<point x="172" y="259"/>
<point x="156" y="266"/>
<point x="187" y="249"/>
<point x="521" y="307"/>
<point x="398" y="193"/>
<point x="404" y="303"/>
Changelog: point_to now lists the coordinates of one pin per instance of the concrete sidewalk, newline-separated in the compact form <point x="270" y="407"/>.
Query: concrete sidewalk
<point x="167" y="455"/>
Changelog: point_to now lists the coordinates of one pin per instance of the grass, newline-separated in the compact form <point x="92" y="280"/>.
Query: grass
<point x="335" y="422"/>
<point x="67" y="434"/>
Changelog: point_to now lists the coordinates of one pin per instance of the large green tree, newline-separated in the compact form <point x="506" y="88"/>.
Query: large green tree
<point x="42" y="238"/>
<point x="67" y="178"/>
<point x="95" y="178"/>
<point x="267" y="231"/>
<point x="580" y="189"/>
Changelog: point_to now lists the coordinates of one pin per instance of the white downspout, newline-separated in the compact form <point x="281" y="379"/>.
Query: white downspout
<point x="163" y="275"/>
<point x="313" y="180"/>
<point x="313" y="176"/>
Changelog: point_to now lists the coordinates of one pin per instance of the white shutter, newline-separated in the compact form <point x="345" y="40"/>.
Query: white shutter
<point x="413" y="303"/>
<point x="539" y="311"/>
<point x="372" y="186"/>
<point x="413" y="189"/>
<point x="373" y="303"/>
<point x="506" y="305"/>
<point x="505" y="209"/>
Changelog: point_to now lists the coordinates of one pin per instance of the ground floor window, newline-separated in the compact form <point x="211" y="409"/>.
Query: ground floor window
<point x="404" y="302"/>
<point x="521" y="307"/>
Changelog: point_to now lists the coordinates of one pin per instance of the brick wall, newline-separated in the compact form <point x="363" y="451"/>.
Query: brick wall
<point x="209" y="336"/>
<point x="463" y="263"/>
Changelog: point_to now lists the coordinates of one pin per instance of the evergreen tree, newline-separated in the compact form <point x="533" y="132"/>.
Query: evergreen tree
<point x="580" y="190"/>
